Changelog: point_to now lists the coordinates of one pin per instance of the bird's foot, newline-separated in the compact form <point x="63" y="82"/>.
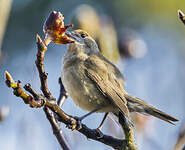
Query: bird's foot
<point x="78" y="124"/>
<point x="99" y="133"/>
<point x="75" y="124"/>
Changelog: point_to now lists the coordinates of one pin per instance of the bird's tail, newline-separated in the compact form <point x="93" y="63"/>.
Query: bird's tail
<point x="138" y="105"/>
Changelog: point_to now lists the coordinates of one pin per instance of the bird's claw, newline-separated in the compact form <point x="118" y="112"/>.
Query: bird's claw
<point x="99" y="133"/>
<point x="76" y="125"/>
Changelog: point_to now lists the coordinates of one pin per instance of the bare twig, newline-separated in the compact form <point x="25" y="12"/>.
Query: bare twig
<point x="128" y="131"/>
<point x="40" y="66"/>
<point x="63" y="94"/>
<point x="56" y="129"/>
<point x="181" y="138"/>
<point x="66" y="119"/>
<point x="19" y="92"/>
<point x="181" y="16"/>
<point x="41" y="46"/>
<point x="49" y="103"/>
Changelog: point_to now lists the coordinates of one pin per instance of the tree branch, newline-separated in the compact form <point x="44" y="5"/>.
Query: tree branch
<point x="42" y="47"/>
<point x="70" y="121"/>
<point x="63" y="94"/>
<point x="181" y="16"/>
<point x="56" y="129"/>
<point x="49" y="103"/>
<point x="40" y="66"/>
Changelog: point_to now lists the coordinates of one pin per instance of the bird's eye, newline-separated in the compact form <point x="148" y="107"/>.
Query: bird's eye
<point x="83" y="35"/>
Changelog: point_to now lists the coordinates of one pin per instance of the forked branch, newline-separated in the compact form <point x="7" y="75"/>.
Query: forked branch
<point x="49" y="103"/>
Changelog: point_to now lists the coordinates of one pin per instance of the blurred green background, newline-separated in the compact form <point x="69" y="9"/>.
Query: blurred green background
<point x="151" y="41"/>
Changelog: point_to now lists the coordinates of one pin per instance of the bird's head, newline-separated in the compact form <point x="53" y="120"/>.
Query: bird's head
<point x="82" y="40"/>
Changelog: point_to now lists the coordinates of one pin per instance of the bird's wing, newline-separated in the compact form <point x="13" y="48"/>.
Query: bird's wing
<point x="102" y="74"/>
<point x="114" y="69"/>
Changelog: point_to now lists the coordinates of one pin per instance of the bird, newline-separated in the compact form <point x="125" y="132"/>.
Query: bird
<point x="96" y="85"/>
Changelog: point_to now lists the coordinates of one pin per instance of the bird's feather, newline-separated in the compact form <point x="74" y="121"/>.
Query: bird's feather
<point x="102" y="74"/>
<point x="143" y="107"/>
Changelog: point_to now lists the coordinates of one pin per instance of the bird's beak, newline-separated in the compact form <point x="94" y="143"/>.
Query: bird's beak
<point x="72" y="36"/>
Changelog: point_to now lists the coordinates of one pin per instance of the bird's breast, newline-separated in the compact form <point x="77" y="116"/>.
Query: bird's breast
<point x="81" y="89"/>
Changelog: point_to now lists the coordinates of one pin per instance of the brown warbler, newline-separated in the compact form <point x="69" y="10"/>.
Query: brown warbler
<point x="95" y="84"/>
